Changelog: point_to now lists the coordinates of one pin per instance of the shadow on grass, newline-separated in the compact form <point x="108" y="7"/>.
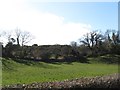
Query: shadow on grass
<point x="7" y="65"/>
<point x="109" y="59"/>
<point x="35" y="63"/>
<point x="66" y="60"/>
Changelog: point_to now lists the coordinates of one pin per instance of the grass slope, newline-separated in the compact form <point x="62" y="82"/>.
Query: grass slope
<point x="28" y="72"/>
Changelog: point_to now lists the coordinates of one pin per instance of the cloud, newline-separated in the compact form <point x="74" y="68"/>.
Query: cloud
<point x="47" y="28"/>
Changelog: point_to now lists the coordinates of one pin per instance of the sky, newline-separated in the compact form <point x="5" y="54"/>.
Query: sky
<point x="57" y="22"/>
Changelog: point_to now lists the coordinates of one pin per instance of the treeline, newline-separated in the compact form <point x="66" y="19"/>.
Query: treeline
<point x="92" y="44"/>
<point x="39" y="52"/>
<point x="96" y="43"/>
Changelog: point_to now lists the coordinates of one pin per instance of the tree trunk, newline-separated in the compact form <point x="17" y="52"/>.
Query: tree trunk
<point x="18" y="41"/>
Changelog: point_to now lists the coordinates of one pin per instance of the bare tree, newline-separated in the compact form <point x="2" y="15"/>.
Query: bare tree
<point x="86" y="40"/>
<point x="115" y="38"/>
<point x="112" y="36"/>
<point x="25" y="37"/>
<point x="9" y="36"/>
<point x="21" y="37"/>
<point x="18" y="34"/>
<point x="92" y="40"/>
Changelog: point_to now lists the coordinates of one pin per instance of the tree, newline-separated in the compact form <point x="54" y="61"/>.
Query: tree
<point x="75" y="50"/>
<point x="35" y="51"/>
<point x="18" y="34"/>
<point x="25" y="37"/>
<point x="1" y="34"/>
<point x="115" y="38"/>
<point x="8" y="49"/>
<point x="86" y="40"/>
<point x="93" y="41"/>
<point x="73" y="44"/>
<point x="8" y="35"/>
<point x="66" y="50"/>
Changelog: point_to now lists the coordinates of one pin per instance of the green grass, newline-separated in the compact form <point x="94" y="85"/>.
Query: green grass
<point x="28" y="72"/>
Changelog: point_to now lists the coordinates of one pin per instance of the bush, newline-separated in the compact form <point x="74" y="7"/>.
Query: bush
<point x="45" y="55"/>
<point x="109" y="81"/>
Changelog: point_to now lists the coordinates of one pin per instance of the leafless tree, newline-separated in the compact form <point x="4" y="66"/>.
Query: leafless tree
<point x="23" y="37"/>
<point x="26" y="37"/>
<point x="92" y="40"/>
<point x="8" y="35"/>
<point x="18" y="34"/>
<point x="112" y="36"/>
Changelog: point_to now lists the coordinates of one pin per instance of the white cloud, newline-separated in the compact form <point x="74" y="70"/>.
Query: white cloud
<point x="47" y="28"/>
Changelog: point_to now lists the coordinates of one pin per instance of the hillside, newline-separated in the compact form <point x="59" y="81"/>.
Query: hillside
<point x="26" y="71"/>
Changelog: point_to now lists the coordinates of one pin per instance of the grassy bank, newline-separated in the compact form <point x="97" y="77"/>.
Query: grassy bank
<point x="28" y="72"/>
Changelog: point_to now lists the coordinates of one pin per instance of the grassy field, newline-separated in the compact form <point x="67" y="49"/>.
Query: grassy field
<point x="28" y="72"/>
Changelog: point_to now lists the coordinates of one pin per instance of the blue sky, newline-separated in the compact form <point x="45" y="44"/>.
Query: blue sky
<point x="57" y="22"/>
<point x="101" y="15"/>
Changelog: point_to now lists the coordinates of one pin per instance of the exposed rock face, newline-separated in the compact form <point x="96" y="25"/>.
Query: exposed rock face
<point x="109" y="81"/>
